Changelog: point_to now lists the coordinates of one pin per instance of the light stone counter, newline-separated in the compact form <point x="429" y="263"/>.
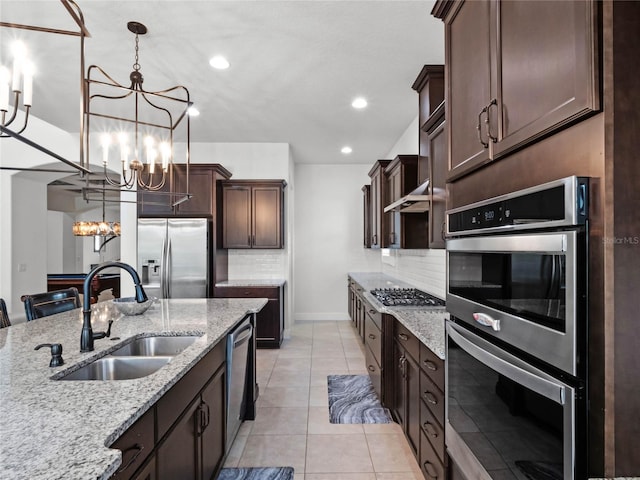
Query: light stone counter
<point x="426" y="323"/>
<point x="59" y="429"/>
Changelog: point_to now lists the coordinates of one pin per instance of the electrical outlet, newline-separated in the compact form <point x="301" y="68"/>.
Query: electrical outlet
<point x="22" y="267"/>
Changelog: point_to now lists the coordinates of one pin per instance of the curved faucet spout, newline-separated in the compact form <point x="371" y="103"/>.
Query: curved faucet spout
<point x="87" y="336"/>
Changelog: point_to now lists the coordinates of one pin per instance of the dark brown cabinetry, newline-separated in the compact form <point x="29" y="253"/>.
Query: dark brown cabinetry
<point x="202" y="186"/>
<point x="407" y="230"/>
<point x="269" y="320"/>
<point x="253" y="214"/>
<point x="379" y="198"/>
<point x="435" y="130"/>
<point x="534" y="70"/>
<point x="366" y="215"/>
<point x="183" y="434"/>
<point x="417" y="399"/>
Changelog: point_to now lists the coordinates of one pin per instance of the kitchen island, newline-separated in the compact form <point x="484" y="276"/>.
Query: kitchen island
<point x="53" y="429"/>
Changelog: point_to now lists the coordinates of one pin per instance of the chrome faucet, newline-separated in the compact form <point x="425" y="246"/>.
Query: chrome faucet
<point x="87" y="336"/>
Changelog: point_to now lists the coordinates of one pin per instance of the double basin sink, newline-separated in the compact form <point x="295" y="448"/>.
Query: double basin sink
<point x="137" y="358"/>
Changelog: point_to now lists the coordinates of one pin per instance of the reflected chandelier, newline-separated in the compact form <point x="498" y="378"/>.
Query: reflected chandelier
<point x="145" y="136"/>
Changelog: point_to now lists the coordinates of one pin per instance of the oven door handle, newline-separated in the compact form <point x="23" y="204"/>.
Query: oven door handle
<point x="499" y="362"/>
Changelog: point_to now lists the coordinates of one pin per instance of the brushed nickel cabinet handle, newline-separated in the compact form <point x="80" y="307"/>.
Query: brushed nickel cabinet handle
<point x="488" y="122"/>
<point x="430" y="469"/>
<point x="430" y="397"/>
<point x="430" y="365"/>
<point x="403" y="337"/>
<point x="479" y="128"/>
<point x="372" y="336"/>
<point x="371" y="368"/>
<point x="430" y="429"/>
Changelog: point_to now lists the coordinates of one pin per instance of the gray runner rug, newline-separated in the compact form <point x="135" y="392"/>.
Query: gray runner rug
<point x="258" y="473"/>
<point x="352" y="399"/>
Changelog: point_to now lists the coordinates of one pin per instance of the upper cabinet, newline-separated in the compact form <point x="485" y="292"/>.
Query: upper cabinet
<point x="406" y="230"/>
<point x="253" y="213"/>
<point x="516" y="72"/>
<point x="379" y="196"/>
<point x="201" y="184"/>
<point x="366" y="214"/>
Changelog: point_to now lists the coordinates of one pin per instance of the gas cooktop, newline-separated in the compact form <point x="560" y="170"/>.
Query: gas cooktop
<point x="406" y="297"/>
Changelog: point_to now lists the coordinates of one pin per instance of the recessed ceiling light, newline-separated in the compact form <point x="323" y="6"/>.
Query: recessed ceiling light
<point x="359" y="103"/>
<point x="193" y="111"/>
<point x="219" y="62"/>
<point x="346" y="150"/>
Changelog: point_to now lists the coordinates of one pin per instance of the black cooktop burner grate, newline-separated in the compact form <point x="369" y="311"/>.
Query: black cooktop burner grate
<point x="412" y="297"/>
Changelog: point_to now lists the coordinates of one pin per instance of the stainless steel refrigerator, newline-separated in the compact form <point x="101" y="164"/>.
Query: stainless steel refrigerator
<point x="173" y="257"/>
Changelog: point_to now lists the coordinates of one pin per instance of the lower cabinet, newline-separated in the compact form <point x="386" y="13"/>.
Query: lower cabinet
<point x="269" y="320"/>
<point x="183" y="434"/>
<point x="416" y="399"/>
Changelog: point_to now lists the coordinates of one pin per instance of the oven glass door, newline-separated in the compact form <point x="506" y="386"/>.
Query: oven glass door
<point x="505" y="418"/>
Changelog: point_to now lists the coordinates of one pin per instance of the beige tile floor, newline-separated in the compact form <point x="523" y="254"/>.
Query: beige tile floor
<point x="292" y="423"/>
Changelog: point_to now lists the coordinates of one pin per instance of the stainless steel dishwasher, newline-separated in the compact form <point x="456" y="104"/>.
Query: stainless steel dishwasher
<point x="238" y="342"/>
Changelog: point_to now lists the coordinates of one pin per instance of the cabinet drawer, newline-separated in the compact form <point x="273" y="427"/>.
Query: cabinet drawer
<point x="432" y="365"/>
<point x="431" y="396"/>
<point x="430" y="464"/>
<point x="375" y="374"/>
<point x="373" y="338"/>
<point x="173" y="403"/>
<point x="432" y="429"/>
<point x="408" y="340"/>
<point x="247" y="292"/>
<point x="373" y="313"/>
<point x="136" y="444"/>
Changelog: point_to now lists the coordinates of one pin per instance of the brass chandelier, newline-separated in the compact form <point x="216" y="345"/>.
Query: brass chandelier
<point x="144" y="137"/>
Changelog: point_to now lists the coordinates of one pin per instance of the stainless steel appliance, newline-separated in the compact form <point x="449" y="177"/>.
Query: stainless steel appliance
<point x="238" y="342"/>
<point x="406" y="297"/>
<point x="517" y="337"/>
<point x="173" y="257"/>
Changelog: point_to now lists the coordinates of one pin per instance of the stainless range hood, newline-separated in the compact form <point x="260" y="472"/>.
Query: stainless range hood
<point x="416" y="201"/>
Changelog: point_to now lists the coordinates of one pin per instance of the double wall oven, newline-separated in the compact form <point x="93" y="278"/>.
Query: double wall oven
<point x="517" y="336"/>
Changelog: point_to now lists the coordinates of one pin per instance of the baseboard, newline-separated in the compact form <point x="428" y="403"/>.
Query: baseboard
<point x="322" y="316"/>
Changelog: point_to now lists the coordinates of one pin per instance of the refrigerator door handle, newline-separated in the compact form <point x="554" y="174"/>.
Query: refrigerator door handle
<point x="163" y="269"/>
<point x="168" y="269"/>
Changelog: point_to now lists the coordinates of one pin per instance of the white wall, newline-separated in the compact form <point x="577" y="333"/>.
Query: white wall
<point x="61" y="244"/>
<point x="328" y="226"/>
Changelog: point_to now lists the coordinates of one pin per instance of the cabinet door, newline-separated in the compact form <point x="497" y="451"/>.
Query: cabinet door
<point x="412" y="404"/>
<point x="136" y="444"/>
<point x="469" y="84"/>
<point x="437" y="187"/>
<point x="236" y="230"/>
<point x="366" y="215"/>
<point x="268" y="332"/>
<point x="546" y="64"/>
<point x="178" y="455"/>
<point x="398" y="405"/>
<point x="213" y="434"/>
<point x="375" y="210"/>
<point x="148" y="472"/>
<point x="201" y="187"/>
<point x="267" y="217"/>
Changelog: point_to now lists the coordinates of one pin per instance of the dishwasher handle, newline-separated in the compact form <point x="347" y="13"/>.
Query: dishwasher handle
<point x="242" y="335"/>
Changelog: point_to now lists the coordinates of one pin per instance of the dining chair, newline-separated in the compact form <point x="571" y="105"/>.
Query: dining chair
<point x="4" y="317"/>
<point x="41" y="305"/>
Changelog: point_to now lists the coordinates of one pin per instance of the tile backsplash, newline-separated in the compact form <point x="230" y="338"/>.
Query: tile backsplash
<point x="426" y="269"/>
<point x="257" y="264"/>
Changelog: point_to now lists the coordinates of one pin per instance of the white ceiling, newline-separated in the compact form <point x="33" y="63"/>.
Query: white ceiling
<point x="295" y="66"/>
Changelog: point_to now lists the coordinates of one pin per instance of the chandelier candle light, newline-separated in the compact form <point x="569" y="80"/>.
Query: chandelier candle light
<point x="146" y="155"/>
<point x="10" y="83"/>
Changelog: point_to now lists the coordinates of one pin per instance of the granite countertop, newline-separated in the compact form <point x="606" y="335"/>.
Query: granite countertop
<point x="261" y="282"/>
<point x="59" y="429"/>
<point x="426" y="323"/>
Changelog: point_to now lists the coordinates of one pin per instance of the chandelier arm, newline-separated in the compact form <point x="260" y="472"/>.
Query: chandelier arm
<point x="113" y="83"/>
<point x="26" y="119"/>
<point x="149" y="185"/>
<point x="107" y="97"/>
<point x="15" y="111"/>
<point x="114" y="183"/>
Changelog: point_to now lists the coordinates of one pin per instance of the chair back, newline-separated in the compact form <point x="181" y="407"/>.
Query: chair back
<point x="4" y="317"/>
<point x="41" y="305"/>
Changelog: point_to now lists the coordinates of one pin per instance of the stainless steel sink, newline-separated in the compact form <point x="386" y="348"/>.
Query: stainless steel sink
<point x="155" y="346"/>
<point x="118" y="368"/>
